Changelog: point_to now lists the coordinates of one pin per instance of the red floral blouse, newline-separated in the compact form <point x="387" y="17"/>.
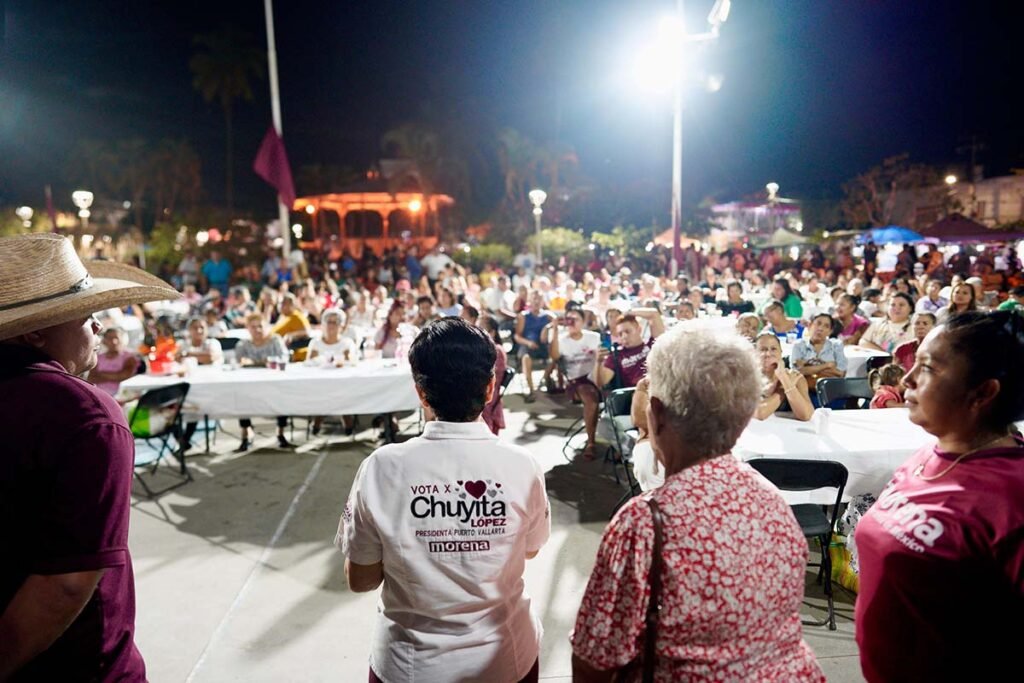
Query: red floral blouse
<point x="733" y="567"/>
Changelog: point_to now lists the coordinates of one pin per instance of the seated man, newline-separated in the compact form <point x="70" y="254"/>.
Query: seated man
<point x="529" y="334"/>
<point x="781" y="326"/>
<point x="577" y="349"/>
<point x="627" y="360"/>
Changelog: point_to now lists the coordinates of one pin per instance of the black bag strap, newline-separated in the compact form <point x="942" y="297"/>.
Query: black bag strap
<point x="653" y="605"/>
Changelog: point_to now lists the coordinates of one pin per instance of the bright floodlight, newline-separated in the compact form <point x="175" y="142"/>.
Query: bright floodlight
<point x="538" y="197"/>
<point x="25" y="214"/>
<point x="415" y="205"/>
<point x="951" y="179"/>
<point x="773" y="189"/>
<point x="719" y="13"/>
<point x="658" y="64"/>
<point x="310" y="209"/>
<point x="83" y="200"/>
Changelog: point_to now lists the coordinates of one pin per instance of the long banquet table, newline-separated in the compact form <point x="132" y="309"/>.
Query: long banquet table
<point x="870" y="443"/>
<point x="368" y="387"/>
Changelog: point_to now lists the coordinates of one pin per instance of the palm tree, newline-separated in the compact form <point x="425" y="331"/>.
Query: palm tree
<point x="221" y="68"/>
<point x="176" y="170"/>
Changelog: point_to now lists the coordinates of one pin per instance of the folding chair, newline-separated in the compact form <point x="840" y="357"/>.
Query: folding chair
<point x="506" y="379"/>
<point x="617" y="420"/>
<point x="876" y="362"/>
<point x="157" y="418"/>
<point x="844" y="393"/>
<point x="807" y="475"/>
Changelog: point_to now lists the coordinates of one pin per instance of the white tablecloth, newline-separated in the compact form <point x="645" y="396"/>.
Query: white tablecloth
<point x="370" y="387"/>
<point x="870" y="443"/>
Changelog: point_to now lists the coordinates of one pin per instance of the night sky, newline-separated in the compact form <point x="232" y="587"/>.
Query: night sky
<point x="814" y="91"/>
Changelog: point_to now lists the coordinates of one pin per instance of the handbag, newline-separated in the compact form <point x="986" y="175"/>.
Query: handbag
<point x="646" y="660"/>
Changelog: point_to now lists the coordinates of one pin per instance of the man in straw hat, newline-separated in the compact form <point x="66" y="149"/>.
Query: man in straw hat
<point x="67" y="595"/>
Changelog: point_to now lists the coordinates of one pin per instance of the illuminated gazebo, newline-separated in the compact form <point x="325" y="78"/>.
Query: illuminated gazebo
<point x="376" y="214"/>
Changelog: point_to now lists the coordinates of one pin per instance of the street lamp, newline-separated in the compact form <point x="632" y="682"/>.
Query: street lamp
<point x="25" y="214"/>
<point x="951" y="179"/>
<point x="83" y="200"/>
<point x="665" y="57"/>
<point x="537" y="198"/>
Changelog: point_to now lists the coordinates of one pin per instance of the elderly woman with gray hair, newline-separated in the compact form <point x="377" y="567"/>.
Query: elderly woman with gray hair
<point x="721" y="615"/>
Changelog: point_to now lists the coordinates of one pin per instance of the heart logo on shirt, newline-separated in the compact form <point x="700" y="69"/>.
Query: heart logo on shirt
<point x="459" y="482"/>
<point x="498" y="485"/>
<point x="476" y="488"/>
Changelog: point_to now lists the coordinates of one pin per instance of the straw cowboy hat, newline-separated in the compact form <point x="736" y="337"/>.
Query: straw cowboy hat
<point x="43" y="283"/>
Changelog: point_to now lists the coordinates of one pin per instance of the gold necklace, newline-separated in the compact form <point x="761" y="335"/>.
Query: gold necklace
<point x="920" y="468"/>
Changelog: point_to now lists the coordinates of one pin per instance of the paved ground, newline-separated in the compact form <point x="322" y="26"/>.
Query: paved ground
<point x="238" y="579"/>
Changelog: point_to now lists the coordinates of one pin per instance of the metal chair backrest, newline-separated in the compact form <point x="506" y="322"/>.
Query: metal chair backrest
<point x="506" y="379"/>
<point x="876" y="362"/>
<point x="620" y="401"/>
<point x="228" y="343"/>
<point x="849" y="390"/>
<point x="167" y="400"/>
<point x="804" y="475"/>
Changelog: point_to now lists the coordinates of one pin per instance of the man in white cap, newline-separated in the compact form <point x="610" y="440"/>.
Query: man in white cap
<point x="67" y="594"/>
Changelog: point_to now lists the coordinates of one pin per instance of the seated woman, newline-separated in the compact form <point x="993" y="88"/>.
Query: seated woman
<point x="205" y="350"/>
<point x="114" y="364"/>
<point x="331" y="348"/>
<point x="784" y="390"/>
<point x="961" y="300"/>
<point x="648" y="471"/>
<point x="779" y="324"/>
<point x="453" y="607"/>
<point x="255" y="352"/>
<point x="721" y="616"/>
<point x="889" y="332"/>
<point x="905" y="353"/>
<point x="816" y="356"/>
<point x="748" y="325"/>
<point x="386" y="339"/>
<point x="446" y="303"/>
<point x="783" y="292"/>
<point x="735" y="303"/>
<point x="940" y="553"/>
<point x="851" y="324"/>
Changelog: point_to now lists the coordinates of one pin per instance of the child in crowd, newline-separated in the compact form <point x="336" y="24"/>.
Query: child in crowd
<point x="887" y="383"/>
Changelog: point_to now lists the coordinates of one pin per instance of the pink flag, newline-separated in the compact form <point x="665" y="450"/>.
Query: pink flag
<point x="271" y="164"/>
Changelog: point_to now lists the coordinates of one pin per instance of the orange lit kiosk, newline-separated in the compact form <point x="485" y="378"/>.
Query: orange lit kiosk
<point x="374" y="214"/>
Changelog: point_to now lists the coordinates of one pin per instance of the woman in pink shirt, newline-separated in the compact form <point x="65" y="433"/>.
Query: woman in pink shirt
<point x="853" y="325"/>
<point x="941" y="552"/>
<point x="114" y="365"/>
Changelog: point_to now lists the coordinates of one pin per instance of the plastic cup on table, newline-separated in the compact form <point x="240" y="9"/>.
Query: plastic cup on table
<point x="822" y="417"/>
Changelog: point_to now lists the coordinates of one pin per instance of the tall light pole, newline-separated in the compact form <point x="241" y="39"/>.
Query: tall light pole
<point x="537" y="198"/>
<point x="275" y="111"/>
<point x="718" y="15"/>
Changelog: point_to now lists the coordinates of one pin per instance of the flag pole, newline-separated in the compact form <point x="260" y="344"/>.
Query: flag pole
<point x="275" y="108"/>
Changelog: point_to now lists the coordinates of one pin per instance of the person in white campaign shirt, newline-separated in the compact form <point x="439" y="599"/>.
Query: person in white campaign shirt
<point x="576" y="350"/>
<point x="446" y="521"/>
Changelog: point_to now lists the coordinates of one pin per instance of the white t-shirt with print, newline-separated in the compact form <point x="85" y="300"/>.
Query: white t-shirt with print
<point x="452" y="515"/>
<point x="579" y="354"/>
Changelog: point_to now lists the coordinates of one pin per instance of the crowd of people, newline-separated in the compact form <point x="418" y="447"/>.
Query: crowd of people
<point x="449" y="547"/>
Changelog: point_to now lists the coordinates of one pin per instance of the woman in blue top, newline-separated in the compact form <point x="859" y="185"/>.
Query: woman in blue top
<point x="791" y="302"/>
